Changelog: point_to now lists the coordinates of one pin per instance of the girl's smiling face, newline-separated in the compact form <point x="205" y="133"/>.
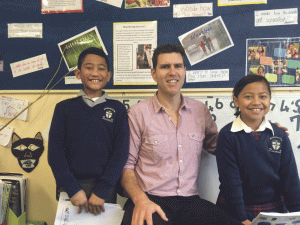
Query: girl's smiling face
<point x="254" y="103"/>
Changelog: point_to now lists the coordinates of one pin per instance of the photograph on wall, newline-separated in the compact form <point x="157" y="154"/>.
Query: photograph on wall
<point x="240" y="2"/>
<point x="134" y="43"/>
<point x="206" y="40"/>
<point x="62" y="6"/>
<point x="131" y="4"/>
<point x="71" y="48"/>
<point x="277" y="59"/>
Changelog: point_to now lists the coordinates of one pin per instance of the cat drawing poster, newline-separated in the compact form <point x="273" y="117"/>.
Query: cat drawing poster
<point x="27" y="150"/>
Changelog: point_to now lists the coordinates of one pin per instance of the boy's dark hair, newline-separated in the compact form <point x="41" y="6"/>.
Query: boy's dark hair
<point x="167" y="48"/>
<point x="243" y="83"/>
<point x="94" y="51"/>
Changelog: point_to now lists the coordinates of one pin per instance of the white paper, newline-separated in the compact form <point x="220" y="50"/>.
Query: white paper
<point x="192" y="10"/>
<point x="133" y="47"/>
<point x="72" y="80"/>
<point x="25" y="30"/>
<point x="277" y="218"/>
<point x="61" y="5"/>
<point x="1" y="66"/>
<point x="206" y="40"/>
<point x="29" y="65"/>
<point x="276" y="17"/>
<point x="10" y="107"/>
<point x="116" y="3"/>
<point x="207" y="75"/>
<point x="5" y="135"/>
<point x="67" y="214"/>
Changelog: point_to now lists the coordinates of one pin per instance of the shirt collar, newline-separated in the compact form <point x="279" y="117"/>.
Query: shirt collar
<point x="90" y="102"/>
<point x="158" y="106"/>
<point x="239" y="125"/>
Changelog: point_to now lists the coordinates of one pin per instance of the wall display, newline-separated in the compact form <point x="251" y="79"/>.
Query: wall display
<point x="116" y="3"/>
<point x="130" y="4"/>
<point x="58" y="27"/>
<point x="27" y="150"/>
<point x="5" y="135"/>
<point x="192" y="10"/>
<point x="276" y="17"/>
<point x="30" y="65"/>
<point x="61" y="6"/>
<point x="285" y="109"/>
<point x="25" y="30"/>
<point x="71" y="48"/>
<point x="277" y="59"/>
<point x="240" y="2"/>
<point x="133" y="48"/>
<point x="10" y="107"/>
<point x="206" y="40"/>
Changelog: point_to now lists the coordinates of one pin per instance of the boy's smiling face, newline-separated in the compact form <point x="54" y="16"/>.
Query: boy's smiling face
<point x="93" y="74"/>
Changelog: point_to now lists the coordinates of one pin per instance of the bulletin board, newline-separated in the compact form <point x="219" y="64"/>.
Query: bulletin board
<point x="58" y="27"/>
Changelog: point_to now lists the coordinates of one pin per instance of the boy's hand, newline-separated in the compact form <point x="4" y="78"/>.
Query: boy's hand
<point x="80" y="199"/>
<point x="96" y="204"/>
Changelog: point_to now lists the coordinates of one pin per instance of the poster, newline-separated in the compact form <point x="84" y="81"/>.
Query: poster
<point x="71" y="48"/>
<point x="132" y="4"/>
<point x="206" y="40"/>
<point x="134" y="43"/>
<point x="61" y="6"/>
<point x="277" y="59"/>
<point x="240" y="2"/>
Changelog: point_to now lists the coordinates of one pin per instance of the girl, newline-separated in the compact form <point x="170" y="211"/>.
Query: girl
<point x="256" y="165"/>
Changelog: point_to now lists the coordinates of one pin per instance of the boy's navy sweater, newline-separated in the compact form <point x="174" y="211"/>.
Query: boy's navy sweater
<point x="88" y="142"/>
<point x="255" y="172"/>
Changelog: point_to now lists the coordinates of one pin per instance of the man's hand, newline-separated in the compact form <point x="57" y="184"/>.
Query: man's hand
<point x="246" y="222"/>
<point x="96" y="204"/>
<point x="143" y="210"/>
<point x="80" y="199"/>
<point x="283" y="128"/>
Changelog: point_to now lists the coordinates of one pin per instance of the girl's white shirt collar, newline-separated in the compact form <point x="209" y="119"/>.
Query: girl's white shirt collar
<point x="239" y="125"/>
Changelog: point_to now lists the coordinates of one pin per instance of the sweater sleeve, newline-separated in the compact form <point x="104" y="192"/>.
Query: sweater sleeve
<point x="118" y="159"/>
<point x="56" y="153"/>
<point x="229" y="175"/>
<point x="289" y="175"/>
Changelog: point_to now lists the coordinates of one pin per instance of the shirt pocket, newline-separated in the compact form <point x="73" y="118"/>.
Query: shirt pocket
<point x="157" y="146"/>
<point x="195" y="144"/>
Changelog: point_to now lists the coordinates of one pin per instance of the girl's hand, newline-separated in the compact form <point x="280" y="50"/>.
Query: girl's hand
<point x="246" y="222"/>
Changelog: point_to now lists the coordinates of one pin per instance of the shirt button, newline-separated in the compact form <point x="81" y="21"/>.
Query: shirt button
<point x="179" y="146"/>
<point x="170" y="118"/>
<point x="178" y="191"/>
<point x="155" y="141"/>
<point x="180" y="160"/>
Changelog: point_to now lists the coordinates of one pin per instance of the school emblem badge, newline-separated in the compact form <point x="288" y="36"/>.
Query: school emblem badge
<point x="109" y="113"/>
<point x="276" y="144"/>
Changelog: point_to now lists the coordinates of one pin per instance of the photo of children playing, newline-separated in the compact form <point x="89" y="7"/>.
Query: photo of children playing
<point x="276" y="59"/>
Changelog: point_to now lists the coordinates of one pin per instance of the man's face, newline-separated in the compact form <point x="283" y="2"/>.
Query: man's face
<point x="93" y="74"/>
<point x="169" y="73"/>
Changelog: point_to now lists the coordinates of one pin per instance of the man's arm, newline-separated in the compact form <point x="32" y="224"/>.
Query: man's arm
<point x="144" y="208"/>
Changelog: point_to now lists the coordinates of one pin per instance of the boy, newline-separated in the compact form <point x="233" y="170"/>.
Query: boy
<point x="89" y="137"/>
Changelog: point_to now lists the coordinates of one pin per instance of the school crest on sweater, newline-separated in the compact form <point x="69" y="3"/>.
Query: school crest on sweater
<point x="109" y="113"/>
<point x="276" y="144"/>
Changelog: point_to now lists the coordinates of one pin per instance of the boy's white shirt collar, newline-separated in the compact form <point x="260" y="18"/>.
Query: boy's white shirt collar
<point x="239" y="125"/>
<point x="90" y="102"/>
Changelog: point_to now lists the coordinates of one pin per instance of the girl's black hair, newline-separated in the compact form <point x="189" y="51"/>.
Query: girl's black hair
<point x="243" y="83"/>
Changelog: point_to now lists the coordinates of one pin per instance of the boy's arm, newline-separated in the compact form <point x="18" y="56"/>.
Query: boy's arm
<point x="56" y="153"/>
<point x="119" y="157"/>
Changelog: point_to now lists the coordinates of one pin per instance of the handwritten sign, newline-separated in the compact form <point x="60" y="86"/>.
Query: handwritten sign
<point x="72" y="80"/>
<point x="25" y="30"/>
<point x="29" y="65"/>
<point x="207" y="75"/>
<point x="5" y="135"/>
<point x="192" y="10"/>
<point x="276" y="17"/>
<point x="10" y="107"/>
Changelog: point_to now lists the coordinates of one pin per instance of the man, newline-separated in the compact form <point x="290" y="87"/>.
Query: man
<point x="167" y="134"/>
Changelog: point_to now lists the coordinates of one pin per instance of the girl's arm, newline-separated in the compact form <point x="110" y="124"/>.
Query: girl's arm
<point x="229" y="173"/>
